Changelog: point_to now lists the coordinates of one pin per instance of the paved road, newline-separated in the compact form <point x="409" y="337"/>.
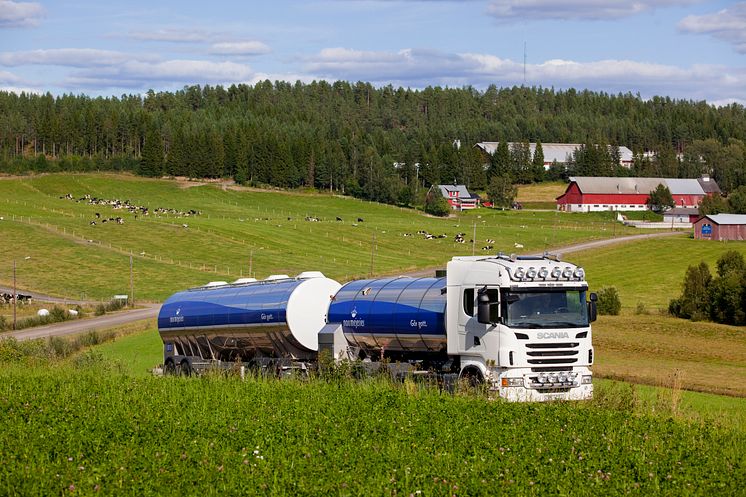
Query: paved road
<point x="123" y="317"/>
<point x="84" y="325"/>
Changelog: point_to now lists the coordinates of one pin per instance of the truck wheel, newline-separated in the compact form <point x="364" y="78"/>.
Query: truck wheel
<point x="169" y="368"/>
<point x="472" y="377"/>
<point x="186" y="368"/>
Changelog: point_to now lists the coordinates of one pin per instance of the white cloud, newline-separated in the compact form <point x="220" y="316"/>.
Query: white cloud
<point x="240" y="48"/>
<point x="419" y="68"/>
<point x="728" y="25"/>
<point x="528" y="10"/>
<point x="8" y="78"/>
<point x="19" y="14"/>
<point x="176" y="35"/>
<point x="412" y="65"/>
<point x="139" y="74"/>
<point x="71" y="57"/>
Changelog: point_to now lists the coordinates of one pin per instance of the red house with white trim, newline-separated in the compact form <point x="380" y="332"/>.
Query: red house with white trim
<point x="458" y="196"/>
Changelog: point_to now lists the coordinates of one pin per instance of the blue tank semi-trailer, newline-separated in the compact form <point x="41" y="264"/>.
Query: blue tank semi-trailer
<point x="273" y="323"/>
<point x="399" y="319"/>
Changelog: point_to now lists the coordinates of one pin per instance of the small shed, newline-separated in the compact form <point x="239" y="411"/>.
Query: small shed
<point x="681" y="215"/>
<point x="721" y="227"/>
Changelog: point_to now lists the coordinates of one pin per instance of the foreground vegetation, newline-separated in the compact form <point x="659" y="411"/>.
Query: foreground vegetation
<point x="76" y="429"/>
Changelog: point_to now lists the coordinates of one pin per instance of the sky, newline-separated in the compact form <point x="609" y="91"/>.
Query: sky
<point x="683" y="49"/>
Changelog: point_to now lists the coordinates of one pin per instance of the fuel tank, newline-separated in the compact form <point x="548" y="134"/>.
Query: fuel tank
<point x="396" y="314"/>
<point x="277" y="317"/>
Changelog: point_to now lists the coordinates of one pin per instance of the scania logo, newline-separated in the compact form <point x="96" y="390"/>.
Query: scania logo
<point x="354" y="312"/>
<point x="552" y="334"/>
<point x="178" y="311"/>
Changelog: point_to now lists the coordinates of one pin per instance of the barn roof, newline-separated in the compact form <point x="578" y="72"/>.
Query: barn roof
<point x="608" y="185"/>
<point x="604" y="184"/>
<point x="708" y="185"/>
<point x="560" y="152"/>
<point x="727" y="218"/>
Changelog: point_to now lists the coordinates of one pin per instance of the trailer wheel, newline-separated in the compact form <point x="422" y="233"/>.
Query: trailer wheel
<point x="186" y="368"/>
<point x="169" y="368"/>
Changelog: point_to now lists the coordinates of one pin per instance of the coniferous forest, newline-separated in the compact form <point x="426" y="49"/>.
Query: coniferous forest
<point x="385" y="144"/>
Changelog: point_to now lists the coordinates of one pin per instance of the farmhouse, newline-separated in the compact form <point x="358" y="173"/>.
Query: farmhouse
<point x="721" y="227"/>
<point x="458" y="196"/>
<point x="559" y="153"/>
<point x="589" y="194"/>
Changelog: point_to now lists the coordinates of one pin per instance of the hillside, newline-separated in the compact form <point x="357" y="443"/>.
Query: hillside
<point x="237" y="231"/>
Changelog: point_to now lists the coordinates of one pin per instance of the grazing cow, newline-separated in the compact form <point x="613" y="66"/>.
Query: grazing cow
<point x="360" y="220"/>
<point x="98" y="215"/>
<point x="339" y="218"/>
<point x="92" y="223"/>
<point x="488" y="247"/>
<point x="518" y="245"/>
<point x="490" y="240"/>
<point x="184" y="225"/>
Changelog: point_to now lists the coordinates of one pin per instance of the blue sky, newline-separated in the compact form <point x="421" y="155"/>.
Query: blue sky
<point x="691" y="49"/>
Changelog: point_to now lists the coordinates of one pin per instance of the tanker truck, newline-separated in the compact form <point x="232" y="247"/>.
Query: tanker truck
<point x="520" y="325"/>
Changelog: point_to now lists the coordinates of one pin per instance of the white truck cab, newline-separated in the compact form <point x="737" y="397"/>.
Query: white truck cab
<point x="522" y="325"/>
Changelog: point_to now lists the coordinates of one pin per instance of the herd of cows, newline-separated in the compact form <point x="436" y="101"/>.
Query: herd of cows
<point x="8" y="298"/>
<point x="137" y="210"/>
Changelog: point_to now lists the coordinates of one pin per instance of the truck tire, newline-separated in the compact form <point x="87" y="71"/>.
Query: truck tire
<point x="169" y="368"/>
<point x="186" y="368"/>
<point x="472" y="377"/>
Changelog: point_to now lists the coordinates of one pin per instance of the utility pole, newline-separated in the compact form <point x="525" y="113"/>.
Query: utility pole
<point x="474" y="238"/>
<point x="132" y="285"/>
<point x="251" y="262"/>
<point x="372" y="254"/>
<point x="15" y="294"/>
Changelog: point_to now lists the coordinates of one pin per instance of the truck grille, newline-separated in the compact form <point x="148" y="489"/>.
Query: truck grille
<point x="552" y="353"/>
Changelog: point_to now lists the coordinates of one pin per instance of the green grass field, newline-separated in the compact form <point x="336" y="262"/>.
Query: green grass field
<point x="650" y="272"/>
<point x="238" y="231"/>
<point x="78" y="429"/>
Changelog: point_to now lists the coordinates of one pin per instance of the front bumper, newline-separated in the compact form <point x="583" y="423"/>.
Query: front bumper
<point x="523" y="394"/>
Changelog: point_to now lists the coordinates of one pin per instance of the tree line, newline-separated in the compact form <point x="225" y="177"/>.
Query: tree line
<point x="386" y="144"/>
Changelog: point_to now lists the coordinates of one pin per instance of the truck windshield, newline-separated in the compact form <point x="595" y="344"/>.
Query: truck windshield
<point x="556" y="308"/>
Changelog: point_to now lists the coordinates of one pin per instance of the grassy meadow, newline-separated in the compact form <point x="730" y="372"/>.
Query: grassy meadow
<point x="238" y="231"/>
<point x="649" y="272"/>
<point x="78" y="428"/>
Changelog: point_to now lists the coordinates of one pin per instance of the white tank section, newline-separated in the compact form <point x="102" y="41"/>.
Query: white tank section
<point x="307" y="309"/>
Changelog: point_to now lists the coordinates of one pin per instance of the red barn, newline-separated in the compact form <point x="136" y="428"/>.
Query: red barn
<point x="721" y="227"/>
<point x="589" y="194"/>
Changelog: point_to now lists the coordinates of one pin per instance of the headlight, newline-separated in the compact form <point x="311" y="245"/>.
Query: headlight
<point x="543" y="273"/>
<point x="519" y="273"/>
<point x="556" y="273"/>
<point x="531" y="273"/>
<point x="587" y="380"/>
<point x="567" y="273"/>
<point x="579" y="273"/>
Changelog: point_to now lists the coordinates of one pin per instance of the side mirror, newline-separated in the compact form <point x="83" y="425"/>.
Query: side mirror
<point x="592" y="311"/>
<point x="483" y="307"/>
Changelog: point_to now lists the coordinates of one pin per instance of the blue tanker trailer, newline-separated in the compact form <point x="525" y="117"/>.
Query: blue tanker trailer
<point x="519" y="324"/>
